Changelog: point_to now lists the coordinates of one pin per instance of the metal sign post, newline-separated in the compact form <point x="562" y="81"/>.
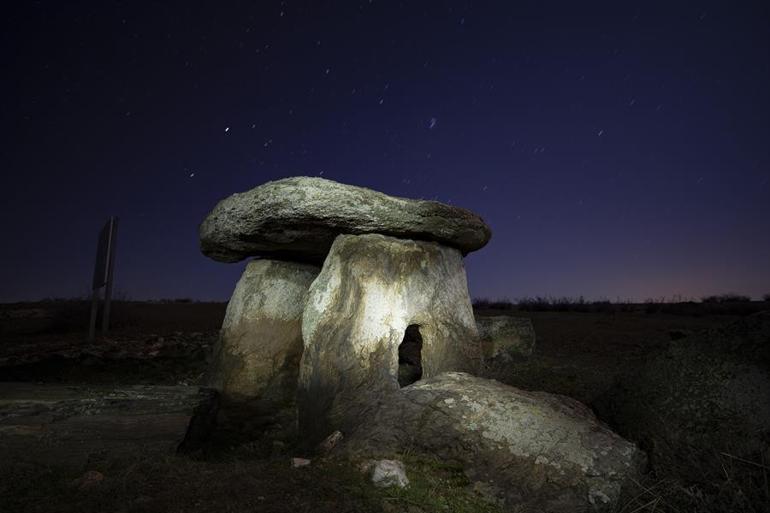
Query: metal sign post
<point x="103" y="274"/>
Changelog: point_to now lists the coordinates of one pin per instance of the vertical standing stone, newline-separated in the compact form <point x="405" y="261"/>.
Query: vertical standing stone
<point x="259" y="349"/>
<point x="374" y="296"/>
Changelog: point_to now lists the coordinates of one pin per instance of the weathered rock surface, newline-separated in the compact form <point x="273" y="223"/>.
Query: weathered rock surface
<point x="505" y="337"/>
<point x="539" y="451"/>
<point x="356" y="327"/>
<point x="298" y="218"/>
<point x="67" y="424"/>
<point x="705" y="394"/>
<point x="259" y="349"/>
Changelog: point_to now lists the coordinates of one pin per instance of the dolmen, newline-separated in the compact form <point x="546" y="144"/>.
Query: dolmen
<point x="354" y="312"/>
<point x="349" y="282"/>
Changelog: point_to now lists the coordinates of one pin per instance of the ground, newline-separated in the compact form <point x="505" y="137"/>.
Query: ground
<point x="580" y="354"/>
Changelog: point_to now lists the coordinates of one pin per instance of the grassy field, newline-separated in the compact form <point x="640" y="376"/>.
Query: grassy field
<point x="581" y="352"/>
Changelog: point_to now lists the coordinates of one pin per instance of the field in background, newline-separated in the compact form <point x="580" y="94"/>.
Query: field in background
<point x="581" y="346"/>
<point x="582" y="350"/>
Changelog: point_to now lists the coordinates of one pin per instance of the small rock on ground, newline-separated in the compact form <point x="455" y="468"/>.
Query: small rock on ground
<point x="299" y="462"/>
<point x="387" y="473"/>
<point x="88" y="480"/>
<point x="330" y="442"/>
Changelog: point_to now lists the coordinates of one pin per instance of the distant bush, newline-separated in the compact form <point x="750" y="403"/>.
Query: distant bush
<point x="538" y="304"/>
<point x="723" y="304"/>
<point x="569" y="304"/>
<point x="766" y="298"/>
<point x="554" y="304"/>
<point x="498" y="304"/>
<point x="726" y="298"/>
<point x="167" y="300"/>
<point x="60" y="300"/>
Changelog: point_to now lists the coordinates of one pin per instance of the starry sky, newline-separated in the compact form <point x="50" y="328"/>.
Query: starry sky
<point x="618" y="150"/>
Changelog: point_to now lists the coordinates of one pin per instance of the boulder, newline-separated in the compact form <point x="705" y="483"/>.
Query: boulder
<point x="381" y="309"/>
<point x="505" y="337"/>
<point x="387" y="473"/>
<point x="298" y="218"/>
<point x="537" y="451"/>
<point x="256" y="358"/>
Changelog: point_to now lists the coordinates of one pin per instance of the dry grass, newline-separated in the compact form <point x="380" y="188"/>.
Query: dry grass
<point x="153" y="483"/>
<point x="717" y="482"/>
<point x="233" y="483"/>
<point x="587" y="355"/>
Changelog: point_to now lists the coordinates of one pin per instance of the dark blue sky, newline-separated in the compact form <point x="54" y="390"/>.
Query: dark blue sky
<point x="616" y="150"/>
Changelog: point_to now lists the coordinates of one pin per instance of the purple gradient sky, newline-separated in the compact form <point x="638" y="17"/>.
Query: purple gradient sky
<point x="617" y="150"/>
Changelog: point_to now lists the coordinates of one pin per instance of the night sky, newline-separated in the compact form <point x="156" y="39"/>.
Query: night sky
<point x="617" y="151"/>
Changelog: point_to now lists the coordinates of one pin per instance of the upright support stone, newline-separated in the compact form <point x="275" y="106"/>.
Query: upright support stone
<point x="379" y="306"/>
<point x="257" y="356"/>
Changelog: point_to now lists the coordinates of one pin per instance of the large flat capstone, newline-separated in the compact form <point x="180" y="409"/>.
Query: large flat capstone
<point x="298" y="218"/>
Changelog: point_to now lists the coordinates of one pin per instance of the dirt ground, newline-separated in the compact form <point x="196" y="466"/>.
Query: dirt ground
<point x="580" y="354"/>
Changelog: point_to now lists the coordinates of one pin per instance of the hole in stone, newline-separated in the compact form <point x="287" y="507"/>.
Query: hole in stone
<point x="410" y="356"/>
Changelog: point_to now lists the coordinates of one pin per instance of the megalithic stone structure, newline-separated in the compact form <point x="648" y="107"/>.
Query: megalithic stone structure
<point x="390" y="305"/>
<point x="355" y="320"/>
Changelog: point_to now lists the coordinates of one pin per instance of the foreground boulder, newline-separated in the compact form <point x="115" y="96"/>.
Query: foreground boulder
<point x="257" y="356"/>
<point x="535" y="451"/>
<point x="386" y="473"/>
<point x="506" y="337"/>
<point x="298" y="218"/>
<point x="382" y="313"/>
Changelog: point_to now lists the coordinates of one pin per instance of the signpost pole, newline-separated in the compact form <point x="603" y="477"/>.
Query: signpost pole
<point x="94" y="311"/>
<point x="113" y="231"/>
<point x="103" y="273"/>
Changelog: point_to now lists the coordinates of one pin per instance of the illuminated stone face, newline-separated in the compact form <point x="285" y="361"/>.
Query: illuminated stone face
<point x="370" y="290"/>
